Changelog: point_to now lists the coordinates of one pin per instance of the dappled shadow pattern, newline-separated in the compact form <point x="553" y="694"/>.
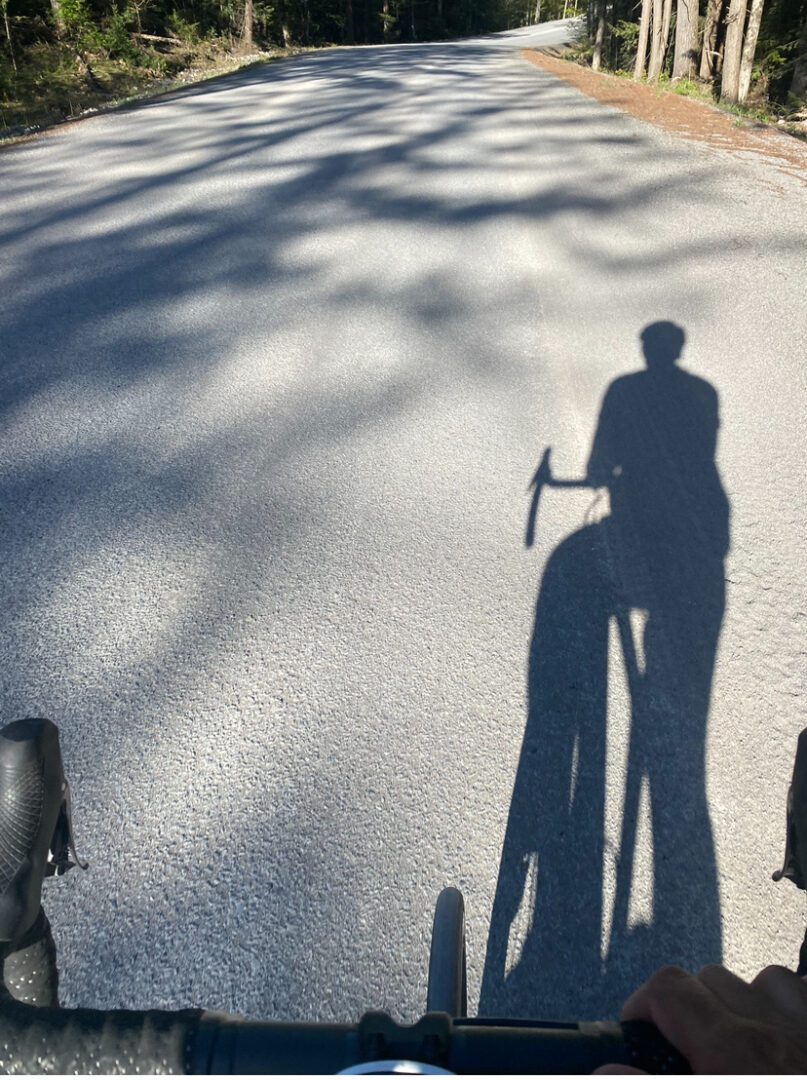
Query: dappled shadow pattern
<point x="202" y="332"/>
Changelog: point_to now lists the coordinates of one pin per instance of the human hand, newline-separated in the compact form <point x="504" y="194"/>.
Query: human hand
<point x="722" y="1024"/>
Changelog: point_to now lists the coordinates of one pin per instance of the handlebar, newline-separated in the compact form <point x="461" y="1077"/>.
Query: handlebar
<point x="94" y="1042"/>
<point x="541" y="478"/>
<point x="36" y="1036"/>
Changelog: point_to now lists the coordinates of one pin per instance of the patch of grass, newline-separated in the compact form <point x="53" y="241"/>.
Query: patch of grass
<point x="759" y="113"/>
<point x="689" y="88"/>
<point x="50" y="87"/>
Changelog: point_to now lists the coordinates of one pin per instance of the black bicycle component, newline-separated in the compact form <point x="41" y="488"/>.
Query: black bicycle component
<point x="447" y="989"/>
<point x="541" y="478"/>
<point x="228" y="1045"/>
<point x="428" y="1041"/>
<point x="37" y="840"/>
<point x="794" y="866"/>
<point x="58" y="1041"/>
<point x="650" y="1051"/>
<point x="35" y="1037"/>
<point x="34" y="821"/>
<point x="29" y="966"/>
<point x="492" y="1047"/>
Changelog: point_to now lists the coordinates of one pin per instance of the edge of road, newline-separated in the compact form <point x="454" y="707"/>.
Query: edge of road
<point x="677" y="114"/>
<point x="177" y="89"/>
<point x="180" y="87"/>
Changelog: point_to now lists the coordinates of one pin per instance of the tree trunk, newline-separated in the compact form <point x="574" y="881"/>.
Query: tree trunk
<point x="58" y="17"/>
<point x="732" y="53"/>
<point x="686" y="40"/>
<point x="280" y="10"/>
<point x="599" y="38"/>
<point x="385" y="20"/>
<point x="246" y="33"/>
<point x="537" y="17"/>
<point x="644" y="31"/>
<point x="709" y="54"/>
<point x="666" y="19"/>
<point x="661" y="36"/>
<point x="348" y="33"/>
<point x="654" y="66"/>
<point x="798" y="86"/>
<point x="749" y="48"/>
<point x="4" y="5"/>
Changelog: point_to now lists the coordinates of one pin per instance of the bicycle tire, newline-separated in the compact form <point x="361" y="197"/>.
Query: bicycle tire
<point x="448" y="988"/>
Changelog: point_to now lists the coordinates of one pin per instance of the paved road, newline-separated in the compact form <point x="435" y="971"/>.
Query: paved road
<point x="279" y="357"/>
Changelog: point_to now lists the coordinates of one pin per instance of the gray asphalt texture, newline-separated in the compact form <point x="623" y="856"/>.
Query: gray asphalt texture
<point x="280" y="355"/>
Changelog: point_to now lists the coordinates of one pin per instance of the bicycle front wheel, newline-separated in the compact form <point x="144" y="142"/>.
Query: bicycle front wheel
<point x="448" y="990"/>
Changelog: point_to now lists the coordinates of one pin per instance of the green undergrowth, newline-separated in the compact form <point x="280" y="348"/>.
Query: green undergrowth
<point x="758" y="109"/>
<point x="54" y="84"/>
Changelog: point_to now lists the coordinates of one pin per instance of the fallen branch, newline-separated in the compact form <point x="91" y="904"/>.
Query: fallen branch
<point x="159" y="37"/>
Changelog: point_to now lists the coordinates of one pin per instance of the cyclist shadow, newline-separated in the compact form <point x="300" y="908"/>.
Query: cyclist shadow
<point x="654" y="569"/>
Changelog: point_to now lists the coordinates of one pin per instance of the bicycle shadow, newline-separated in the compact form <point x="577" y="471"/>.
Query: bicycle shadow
<point x="659" y="553"/>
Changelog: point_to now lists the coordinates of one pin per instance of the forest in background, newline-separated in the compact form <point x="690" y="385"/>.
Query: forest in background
<point x="59" y="57"/>
<point x="742" y="51"/>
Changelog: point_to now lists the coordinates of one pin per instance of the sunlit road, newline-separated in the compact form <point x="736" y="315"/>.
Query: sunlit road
<point x="279" y="358"/>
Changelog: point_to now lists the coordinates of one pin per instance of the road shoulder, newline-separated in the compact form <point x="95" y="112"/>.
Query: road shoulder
<point x="678" y="115"/>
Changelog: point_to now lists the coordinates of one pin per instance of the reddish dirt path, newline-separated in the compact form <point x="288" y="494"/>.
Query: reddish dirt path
<point x="679" y="115"/>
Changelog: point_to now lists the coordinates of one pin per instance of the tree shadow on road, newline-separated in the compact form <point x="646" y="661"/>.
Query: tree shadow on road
<point x="129" y="415"/>
<point x="653" y="569"/>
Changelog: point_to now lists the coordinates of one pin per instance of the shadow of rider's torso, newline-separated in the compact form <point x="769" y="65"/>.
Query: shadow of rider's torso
<point x="654" y="449"/>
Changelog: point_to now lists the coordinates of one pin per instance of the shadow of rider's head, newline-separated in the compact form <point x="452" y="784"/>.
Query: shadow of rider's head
<point x="662" y="343"/>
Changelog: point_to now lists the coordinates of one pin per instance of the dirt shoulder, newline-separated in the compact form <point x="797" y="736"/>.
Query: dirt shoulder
<point x="679" y="115"/>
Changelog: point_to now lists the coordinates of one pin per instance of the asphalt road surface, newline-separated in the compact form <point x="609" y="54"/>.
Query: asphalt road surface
<point x="280" y="356"/>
